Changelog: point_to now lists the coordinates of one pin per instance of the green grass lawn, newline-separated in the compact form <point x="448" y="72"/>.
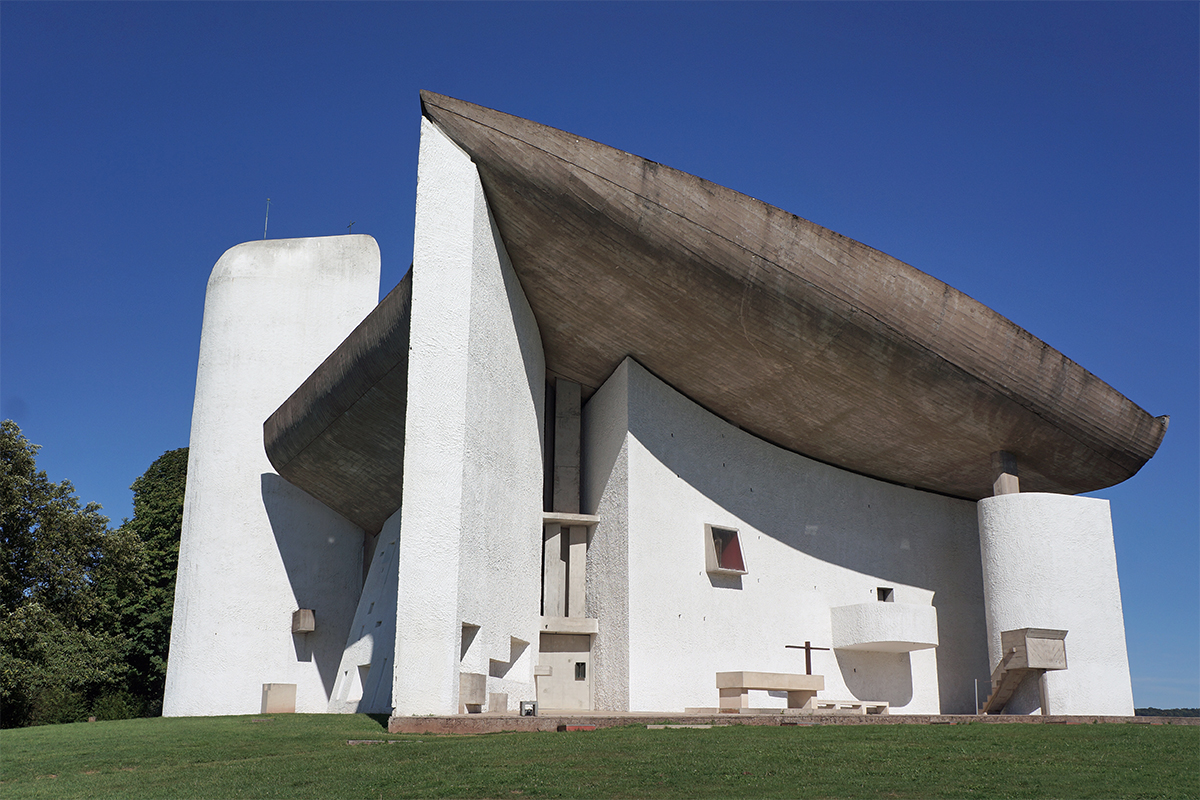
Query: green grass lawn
<point x="300" y="756"/>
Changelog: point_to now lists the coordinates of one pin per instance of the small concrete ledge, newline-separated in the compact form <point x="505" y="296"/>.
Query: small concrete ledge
<point x="562" y="518"/>
<point x="569" y="625"/>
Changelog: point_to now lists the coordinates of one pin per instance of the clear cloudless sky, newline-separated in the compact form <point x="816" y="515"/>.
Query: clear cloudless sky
<point x="1041" y="157"/>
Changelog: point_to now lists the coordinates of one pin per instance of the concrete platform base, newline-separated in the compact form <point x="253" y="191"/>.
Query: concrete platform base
<point x="489" y="723"/>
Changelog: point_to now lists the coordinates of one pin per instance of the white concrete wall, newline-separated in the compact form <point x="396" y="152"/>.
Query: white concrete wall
<point x="254" y="548"/>
<point x="658" y="467"/>
<point x="371" y="643"/>
<point x="471" y="510"/>
<point x="1049" y="562"/>
<point x="604" y="489"/>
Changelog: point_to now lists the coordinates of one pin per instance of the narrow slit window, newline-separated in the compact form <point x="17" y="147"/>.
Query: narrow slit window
<point x="724" y="551"/>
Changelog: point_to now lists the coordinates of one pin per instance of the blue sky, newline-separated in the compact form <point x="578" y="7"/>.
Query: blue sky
<point x="1043" y="158"/>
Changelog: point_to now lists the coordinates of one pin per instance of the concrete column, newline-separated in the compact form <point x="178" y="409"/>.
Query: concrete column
<point x="1004" y="473"/>
<point x="554" y="573"/>
<point x="577" y="571"/>
<point x="566" y="446"/>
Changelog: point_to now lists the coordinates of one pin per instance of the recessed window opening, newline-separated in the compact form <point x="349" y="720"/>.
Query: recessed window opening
<point x="885" y="594"/>
<point x="724" y="551"/>
<point x="581" y="670"/>
<point x="468" y="638"/>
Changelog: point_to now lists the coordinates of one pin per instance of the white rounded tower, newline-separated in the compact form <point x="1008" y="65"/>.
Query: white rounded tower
<point x="254" y="548"/>
<point x="1049" y="562"/>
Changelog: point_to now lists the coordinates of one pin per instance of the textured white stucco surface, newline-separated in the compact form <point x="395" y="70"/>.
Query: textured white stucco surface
<point x="604" y="489"/>
<point x="254" y="548"/>
<point x="1049" y="562"/>
<point x="658" y="467"/>
<point x="471" y="510"/>
<point x="364" y="677"/>
<point x="884" y="627"/>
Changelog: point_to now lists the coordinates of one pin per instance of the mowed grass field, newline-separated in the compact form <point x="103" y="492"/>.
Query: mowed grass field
<point x="302" y="756"/>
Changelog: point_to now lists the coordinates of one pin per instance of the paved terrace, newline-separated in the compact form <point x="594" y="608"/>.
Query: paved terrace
<point x="495" y="723"/>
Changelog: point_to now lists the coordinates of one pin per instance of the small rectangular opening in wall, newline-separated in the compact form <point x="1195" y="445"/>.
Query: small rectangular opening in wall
<point x="356" y="691"/>
<point x="468" y="637"/>
<point x="723" y="551"/>
<point x="885" y="594"/>
<point x="581" y="670"/>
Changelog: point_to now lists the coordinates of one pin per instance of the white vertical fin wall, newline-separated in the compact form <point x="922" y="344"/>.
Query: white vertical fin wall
<point x="1049" y="562"/>
<point x="371" y="644"/>
<point x="604" y="486"/>
<point x="471" y="509"/>
<point x="813" y="537"/>
<point x="254" y="548"/>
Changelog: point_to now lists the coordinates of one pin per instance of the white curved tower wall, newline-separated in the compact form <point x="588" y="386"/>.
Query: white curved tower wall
<point x="1049" y="562"/>
<point x="254" y="548"/>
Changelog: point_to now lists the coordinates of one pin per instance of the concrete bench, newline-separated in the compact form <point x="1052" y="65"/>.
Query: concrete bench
<point x="815" y="706"/>
<point x="735" y="687"/>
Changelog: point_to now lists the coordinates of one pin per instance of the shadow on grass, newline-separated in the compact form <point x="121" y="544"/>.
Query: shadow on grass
<point x="382" y="719"/>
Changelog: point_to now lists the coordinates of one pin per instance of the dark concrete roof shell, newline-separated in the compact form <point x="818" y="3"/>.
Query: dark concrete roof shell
<point x="799" y="335"/>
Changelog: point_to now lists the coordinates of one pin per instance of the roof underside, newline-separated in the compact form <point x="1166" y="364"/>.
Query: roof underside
<point x="806" y="338"/>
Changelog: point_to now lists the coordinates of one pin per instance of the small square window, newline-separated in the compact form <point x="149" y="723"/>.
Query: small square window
<point x="723" y="551"/>
<point x="885" y="594"/>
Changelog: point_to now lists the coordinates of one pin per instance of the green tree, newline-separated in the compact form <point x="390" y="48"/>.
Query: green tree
<point x="60" y="642"/>
<point x="156" y="524"/>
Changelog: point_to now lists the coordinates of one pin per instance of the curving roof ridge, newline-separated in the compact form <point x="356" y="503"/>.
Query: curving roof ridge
<point x="801" y="336"/>
<point x="795" y="333"/>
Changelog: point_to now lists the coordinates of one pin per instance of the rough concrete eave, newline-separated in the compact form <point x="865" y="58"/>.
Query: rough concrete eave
<point x="801" y="336"/>
<point x="808" y="339"/>
<point x="340" y="436"/>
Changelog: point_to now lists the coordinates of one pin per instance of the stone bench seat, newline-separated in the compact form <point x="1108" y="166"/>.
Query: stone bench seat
<point x="735" y="687"/>
<point x="815" y="706"/>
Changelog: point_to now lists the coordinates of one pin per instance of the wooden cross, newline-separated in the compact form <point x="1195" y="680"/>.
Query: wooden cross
<point x="807" y="648"/>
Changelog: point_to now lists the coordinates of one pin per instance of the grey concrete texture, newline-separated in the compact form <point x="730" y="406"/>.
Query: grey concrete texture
<point x="811" y="340"/>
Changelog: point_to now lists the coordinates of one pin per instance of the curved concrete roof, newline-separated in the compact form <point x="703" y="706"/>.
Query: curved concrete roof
<point x="799" y="335"/>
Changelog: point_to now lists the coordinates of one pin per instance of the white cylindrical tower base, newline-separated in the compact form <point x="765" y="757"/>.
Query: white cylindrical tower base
<point x="1049" y="562"/>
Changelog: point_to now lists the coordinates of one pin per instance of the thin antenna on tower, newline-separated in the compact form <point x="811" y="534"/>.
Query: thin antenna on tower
<point x="267" y="217"/>
<point x="350" y="227"/>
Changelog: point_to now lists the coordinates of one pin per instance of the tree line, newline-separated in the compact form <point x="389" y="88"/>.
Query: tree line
<point x="85" y="610"/>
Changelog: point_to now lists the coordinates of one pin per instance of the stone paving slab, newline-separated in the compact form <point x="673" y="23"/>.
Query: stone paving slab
<point x="496" y="723"/>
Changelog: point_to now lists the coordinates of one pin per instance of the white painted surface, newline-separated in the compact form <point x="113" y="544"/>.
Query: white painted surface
<point x="364" y="676"/>
<point x="657" y="467"/>
<point x="254" y="548"/>
<point x="1049" y="562"/>
<point x="604" y="486"/>
<point x="472" y="506"/>
<point x="884" y="627"/>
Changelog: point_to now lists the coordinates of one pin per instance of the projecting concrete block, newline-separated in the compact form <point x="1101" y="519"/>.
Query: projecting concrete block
<point x="472" y="691"/>
<point x="498" y="702"/>
<point x="304" y="620"/>
<point x="278" y="698"/>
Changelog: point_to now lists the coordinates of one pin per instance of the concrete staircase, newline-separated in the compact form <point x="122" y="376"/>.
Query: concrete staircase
<point x="1005" y="681"/>
<point x="1026" y="651"/>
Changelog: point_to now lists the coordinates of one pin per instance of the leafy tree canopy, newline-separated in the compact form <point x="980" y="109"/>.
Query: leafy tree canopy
<point x="156" y="524"/>
<point x="85" y="612"/>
